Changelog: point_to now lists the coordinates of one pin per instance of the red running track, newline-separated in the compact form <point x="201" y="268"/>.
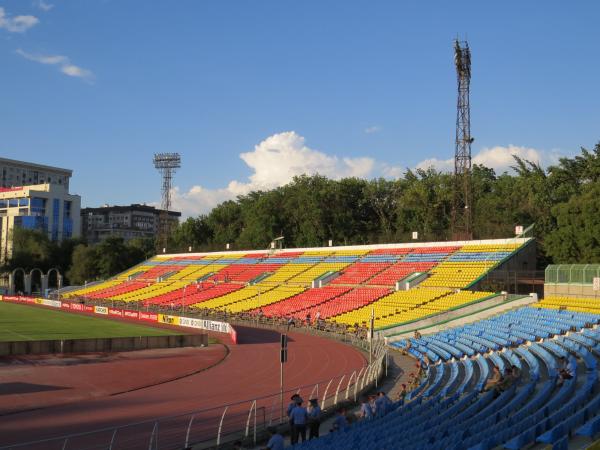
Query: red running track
<point x="251" y="370"/>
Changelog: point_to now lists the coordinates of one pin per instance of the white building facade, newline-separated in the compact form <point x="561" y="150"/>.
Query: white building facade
<point x="47" y="207"/>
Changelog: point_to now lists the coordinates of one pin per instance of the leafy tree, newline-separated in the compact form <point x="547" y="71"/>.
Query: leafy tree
<point x="84" y="267"/>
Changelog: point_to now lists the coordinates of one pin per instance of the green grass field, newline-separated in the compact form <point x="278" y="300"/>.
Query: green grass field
<point x="29" y="323"/>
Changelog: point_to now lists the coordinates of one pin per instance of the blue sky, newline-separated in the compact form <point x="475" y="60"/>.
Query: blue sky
<point x="368" y="88"/>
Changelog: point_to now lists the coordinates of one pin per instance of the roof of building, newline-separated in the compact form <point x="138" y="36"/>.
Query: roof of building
<point x="127" y="208"/>
<point x="35" y="165"/>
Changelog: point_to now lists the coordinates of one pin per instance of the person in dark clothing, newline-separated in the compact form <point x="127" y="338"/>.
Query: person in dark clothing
<point x="299" y="418"/>
<point x="314" y="418"/>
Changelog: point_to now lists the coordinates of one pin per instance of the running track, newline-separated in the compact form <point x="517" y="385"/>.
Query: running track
<point x="251" y="370"/>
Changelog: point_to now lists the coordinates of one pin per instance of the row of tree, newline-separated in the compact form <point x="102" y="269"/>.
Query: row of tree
<point x="563" y="201"/>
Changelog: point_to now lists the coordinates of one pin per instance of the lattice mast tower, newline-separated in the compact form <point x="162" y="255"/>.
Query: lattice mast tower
<point x="462" y="210"/>
<point x="166" y="164"/>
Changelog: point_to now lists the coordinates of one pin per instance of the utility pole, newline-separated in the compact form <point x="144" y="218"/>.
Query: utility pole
<point x="283" y="355"/>
<point x="462" y="207"/>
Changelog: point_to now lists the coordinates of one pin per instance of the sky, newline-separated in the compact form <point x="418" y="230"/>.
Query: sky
<point x="251" y="93"/>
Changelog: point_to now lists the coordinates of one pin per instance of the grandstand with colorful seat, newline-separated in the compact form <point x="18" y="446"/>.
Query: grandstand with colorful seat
<point x="341" y="284"/>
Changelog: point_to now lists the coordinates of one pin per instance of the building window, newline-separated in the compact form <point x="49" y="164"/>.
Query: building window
<point x="55" y="217"/>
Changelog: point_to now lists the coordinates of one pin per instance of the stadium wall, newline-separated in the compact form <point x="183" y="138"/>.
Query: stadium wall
<point x="470" y="309"/>
<point x="459" y="317"/>
<point x="95" y="345"/>
<point x="522" y="261"/>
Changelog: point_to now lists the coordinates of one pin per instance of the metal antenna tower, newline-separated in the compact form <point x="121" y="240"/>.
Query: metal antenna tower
<point x="462" y="209"/>
<point x="167" y="164"/>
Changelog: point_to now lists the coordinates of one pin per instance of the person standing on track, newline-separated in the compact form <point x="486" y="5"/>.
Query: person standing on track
<point x="299" y="418"/>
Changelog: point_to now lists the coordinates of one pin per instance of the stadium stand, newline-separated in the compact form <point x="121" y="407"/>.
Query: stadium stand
<point x="355" y="281"/>
<point x="450" y="409"/>
<point x="590" y="305"/>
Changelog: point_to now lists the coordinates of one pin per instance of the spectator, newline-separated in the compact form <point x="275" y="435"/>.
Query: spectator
<point x="308" y="321"/>
<point x="340" y="423"/>
<point x="566" y="369"/>
<point x="366" y="412"/>
<point x="426" y="362"/>
<point x="506" y="381"/>
<point x="372" y="404"/>
<point x="276" y="441"/>
<point x="402" y="393"/>
<point x="291" y="406"/>
<point x="318" y="316"/>
<point x="314" y="418"/>
<point x="290" y="322"/>
<point x="382" y="404"/>
<point x="299" y="418"/>
<point x="493" y="381"/>
<point x="516" y="373"/>
<point x="417" y="334"/>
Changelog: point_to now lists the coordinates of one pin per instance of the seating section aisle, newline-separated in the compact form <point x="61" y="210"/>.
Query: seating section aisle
<point x="450" y="408"/>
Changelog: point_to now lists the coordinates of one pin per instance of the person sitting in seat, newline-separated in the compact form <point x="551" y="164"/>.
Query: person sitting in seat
<point x="516" y="374"/>
<point x="340" y="423"/>
<point x="566" y="369"/>
<point x="506" y="382"/>
<point x="494" y="380"/>
<point x="276" y="441"/>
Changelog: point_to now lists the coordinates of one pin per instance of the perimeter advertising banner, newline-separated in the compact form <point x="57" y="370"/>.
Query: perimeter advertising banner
<point x="101" y="310"/>
<point x="188" y="322"/>
<point x="202" y="324"/>
<point x="171" y="320"/>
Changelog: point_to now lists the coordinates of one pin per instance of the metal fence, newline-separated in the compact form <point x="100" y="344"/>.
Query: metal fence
<point x="211" y="427"/>
<point x="572" y="273"/>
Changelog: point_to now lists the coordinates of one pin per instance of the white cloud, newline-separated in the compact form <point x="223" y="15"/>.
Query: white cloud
<point x="498" y="158"/>
<point x="444" y="165"/>
<point x="274" y="162"/>
<point x="373" y="129"/>
<point x="41" y="4"/>
<point x="64" y="64"/>
<point x="17" y="24"/>
<point x="280" y="157"/>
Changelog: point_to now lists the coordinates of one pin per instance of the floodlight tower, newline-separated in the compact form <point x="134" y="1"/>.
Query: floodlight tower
<point x="167" y="164"/>
<point x="462" y="208"/>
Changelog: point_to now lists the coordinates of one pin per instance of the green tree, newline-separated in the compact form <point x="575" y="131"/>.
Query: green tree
<point x="84" y="265"/>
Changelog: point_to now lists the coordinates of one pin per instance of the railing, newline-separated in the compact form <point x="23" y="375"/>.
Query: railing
<point x="330" y="330"/>
<point x="212" y="427"/>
